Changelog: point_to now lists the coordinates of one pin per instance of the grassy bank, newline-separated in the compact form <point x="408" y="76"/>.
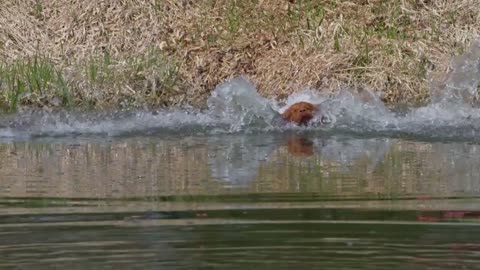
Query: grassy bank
<point x="100" y="54"/>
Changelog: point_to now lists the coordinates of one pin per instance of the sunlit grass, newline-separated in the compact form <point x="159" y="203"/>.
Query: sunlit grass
<point x="33" y="81"/>
<point x="100" y="81"/>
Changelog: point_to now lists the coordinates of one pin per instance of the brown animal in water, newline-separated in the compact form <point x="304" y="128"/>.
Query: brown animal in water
<point x="300" y="113"/>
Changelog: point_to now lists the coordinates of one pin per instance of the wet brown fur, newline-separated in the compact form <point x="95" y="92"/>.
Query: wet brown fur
<point x="300" y="113"/>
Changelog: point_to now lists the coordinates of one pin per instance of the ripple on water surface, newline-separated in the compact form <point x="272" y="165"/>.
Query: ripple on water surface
<point x="239" y="200"/>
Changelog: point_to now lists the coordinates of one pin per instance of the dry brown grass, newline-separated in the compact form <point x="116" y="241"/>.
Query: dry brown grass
<point x="167" y="52"/>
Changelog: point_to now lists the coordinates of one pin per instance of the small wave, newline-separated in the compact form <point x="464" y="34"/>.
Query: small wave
<point x="37" y="124"/>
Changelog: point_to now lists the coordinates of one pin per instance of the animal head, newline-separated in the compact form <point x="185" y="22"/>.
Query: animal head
<point x="300" y="113"/>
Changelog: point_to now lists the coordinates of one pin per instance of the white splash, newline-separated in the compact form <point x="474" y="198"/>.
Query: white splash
<point x="309" y="95"/>
<point x="235" y="106"/>
<point x="238" y="102"/>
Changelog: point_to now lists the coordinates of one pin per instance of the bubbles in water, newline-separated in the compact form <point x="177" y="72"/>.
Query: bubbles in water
<point x="460" y="86"/>
<point x="236" y="159"/>
<point x="34" y="124"/>
<point x="238" y="102"/>
<point x="358" y="111"/>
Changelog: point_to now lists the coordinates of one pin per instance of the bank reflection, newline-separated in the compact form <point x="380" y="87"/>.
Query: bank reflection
<point x="265" y="163"/>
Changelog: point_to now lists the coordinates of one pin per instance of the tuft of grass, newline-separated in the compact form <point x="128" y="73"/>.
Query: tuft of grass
<point x="135" y="81"/>
<point x="33" y="81"/>
<point x="38" y="9"/>
<point x="148" y="79"/>
<point x="12" y="87"/>
<point x="313" y="13"/>
<point x="160" y="73"/>
<point x="363" y="59"/>
<point x="63" y="91"/>
<point x="233" y="18"/>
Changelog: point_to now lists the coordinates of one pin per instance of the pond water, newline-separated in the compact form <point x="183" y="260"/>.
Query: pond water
<point x="303" y="199"/>
<point x="231" y="187"/>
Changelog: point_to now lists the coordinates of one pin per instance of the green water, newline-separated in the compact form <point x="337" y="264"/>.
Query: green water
<point x="267" y="201"/>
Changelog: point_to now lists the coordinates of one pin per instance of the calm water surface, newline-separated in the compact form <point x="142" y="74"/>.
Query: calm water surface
<point x="272" y="200"/>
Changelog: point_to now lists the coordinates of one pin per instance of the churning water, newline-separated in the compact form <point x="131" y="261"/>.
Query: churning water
<point x="230" y="186"/>
<point x="235" y="106"/>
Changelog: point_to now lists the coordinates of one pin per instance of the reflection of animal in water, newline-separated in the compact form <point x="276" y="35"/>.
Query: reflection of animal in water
<point x="300" y="147"/>
<point x="236" y="159"/>
<point x="300" y="113"/>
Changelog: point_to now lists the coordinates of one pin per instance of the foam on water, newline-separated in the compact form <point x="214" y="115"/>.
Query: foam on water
<point x="238" y="103"/>
<point x="34" y="124"/>
<point x="235" y="106"/>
